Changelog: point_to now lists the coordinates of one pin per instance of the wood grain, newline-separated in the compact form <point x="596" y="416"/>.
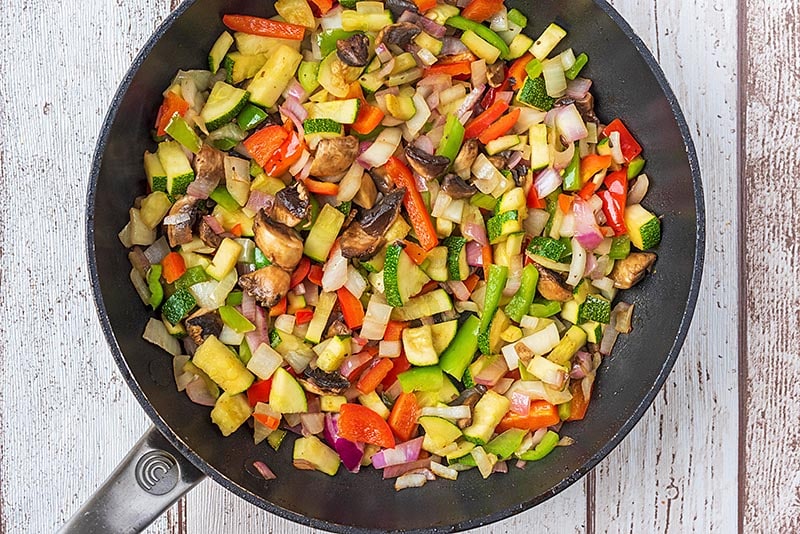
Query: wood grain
<point x="771" y="412"/>
<point x="677" y="472"/>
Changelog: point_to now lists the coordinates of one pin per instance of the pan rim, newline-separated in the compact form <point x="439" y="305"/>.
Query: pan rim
<point x="230" y="485"/>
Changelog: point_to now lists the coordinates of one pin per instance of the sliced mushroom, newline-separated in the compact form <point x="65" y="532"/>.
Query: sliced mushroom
<point x="398" y="7"/>
<point x="280" y="244"/>
<point x="427" y="165"/>
<point x="364" y="237"/>
<point x="455" y="187"/>
<point x="203" y="323"/>
<point x="292" y="205"/>
<point x="267" y="285"/>
<point x="381" y="179"/>
<point x="551" y="285"/>
<point x="399" y="34"/>
<point x="338" y="328"/>
<point x="496" y="74"/>
<point x="466" y="157"/>
<point x="367" y="193"/>
<point x="334" y="156"/>
<point x="209" y="165"/>
<point x="628" y="272"/>
<point x="498" y="161"/>
<point x="584" y="105"/>
<point x="207" y="235"/>
<point x="185" y="210"/>
<point x="327" y="383"/>
<point x="518" y="173"/>
<point x="468" y="397"/>
<point x="353" y="51"/>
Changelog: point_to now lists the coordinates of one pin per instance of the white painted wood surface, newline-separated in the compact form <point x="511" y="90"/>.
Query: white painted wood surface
<point x="68" y="417"/>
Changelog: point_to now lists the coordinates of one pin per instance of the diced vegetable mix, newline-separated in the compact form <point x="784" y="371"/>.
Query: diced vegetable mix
<point x="402" y="241"/>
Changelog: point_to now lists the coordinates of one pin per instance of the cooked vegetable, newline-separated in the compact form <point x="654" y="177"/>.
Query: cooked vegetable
<point x="401" y="232"/>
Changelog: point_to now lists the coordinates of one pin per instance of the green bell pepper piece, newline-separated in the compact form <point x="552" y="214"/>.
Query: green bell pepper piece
<point x="244" y="352"/>
<point x="428" y="378"/>
<point x="193" y="275"/>
<point x="565" y="410"/>
<point x="459" y="353"/>
<point x="482" y="200"/>
<point x="496" y="281"/>
<point x="534" y="68"/>
<point x="635" y="167"/>
<point x="482" y="31"/>
<point x="261" y="260"/>
<point x="238" y="322"/>
<point x="520" y="303"/>
<point x="250" y="117"/>
<point x="221" y="196"/>
<point x="327" y="39"/>
<point x="544" y="308"/>
<point x="620" y="247"/>
<point x="576" y="68"/>
<point x="154" y="284"/>
<point x="452" y="139"/>
<point x="234" y="298"/>
<point x="516" y="16"/>
<point x="572" y="174"/>
<point x="180" y="130"/>
<point x="544" y="448"/>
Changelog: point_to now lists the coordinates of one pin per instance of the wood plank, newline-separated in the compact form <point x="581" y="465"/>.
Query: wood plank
<point x="770" y="483"/>
<point x="677" y="470"/>
<point x="61" y="392"/>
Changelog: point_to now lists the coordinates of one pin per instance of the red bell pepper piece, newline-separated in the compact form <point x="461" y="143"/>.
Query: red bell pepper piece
<point x="323" y="6"/>
<point x="517" y="70"/>
<point x="259" y="391"/>
<point x="471" y="282"/>
<point x="458" y="68"/>
<point x="404" y="416"/>
<point x="321" y="188"/>
<point x="476" y="126"/>
<point x="300" y="272"/>
<point x="480" y="10"/>
<point x="533" y="200"/>
<point x="394" y="330"/>
<point x="565" y="202"/>
<point x="369" y="117"/>
<point x="372" y="377"/>
<point x="614" y="198"/>
<point x="541" y="414"/>
<point x="264" y="27"/>
<point x="592" y="164"/>
<point x="501" y="127"/>
<point x="352" y="309"/>
<point x="303" y="316"/>
<point x="315" y="275"/>
<point x="415" y="252"/>
<point x="279" y="308"/>
<point x="486" y="259"/>
<point x="630" y="147"/>
<point x="425" y="5"/>
<point x="171" y="105"/>
<point x="491" y="94"/>
<point x="237" y="230"/>
<point x="415" y="206"/>
<point x="401" y="365"/>
<point x="359" y="423"/>
<point x="173" y="267"/>
<point x="265" y="142"/>
<point x="287" y="155"/>
<point x="579" y="403"/>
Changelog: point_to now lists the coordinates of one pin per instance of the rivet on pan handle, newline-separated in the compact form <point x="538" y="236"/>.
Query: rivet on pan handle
<point x="148" y="481"/>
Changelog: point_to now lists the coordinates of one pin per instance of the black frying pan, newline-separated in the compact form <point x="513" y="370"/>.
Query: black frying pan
<point x="628" y="83"/>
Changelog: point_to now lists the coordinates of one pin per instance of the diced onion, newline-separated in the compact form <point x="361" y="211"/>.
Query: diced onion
<point x="156" y="333"/>
<point x="638" y="190"/>
<point x="570" y="123"/>
<point x="382" y="149"/>
<point x="265" y="360"/>
<point x="351" y="183"/>
<point x="442" y="471"/>
<point x="411" y="480"/>
<point x="554" y="79"/>
<point x="546" y="182"/>
<point x="285" y="322"/>
<point x="140" y="285"/>
<point x="355" y="284"/>
<point x="334" y="273"/>
<point x="450" y="412"/>
<point x="578" y="263"/>
<point x="182" y="378"/>
<point x="616" y="148"/>
<point x="157" y="251"/>
<point x="198" y="393"/>
<point x="536" y="220"/>
<point x="389" y="349"/>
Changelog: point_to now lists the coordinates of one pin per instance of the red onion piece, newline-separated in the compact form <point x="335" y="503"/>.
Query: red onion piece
<point x="500" y="467"/>
<point x="424" y="143"/>
<point x="547" y="181"/>
<point x="312" y="423"/>
<point x="430" y="27"/>
<point x="476" y="232"/>
<point x="351" y="453"/>
<point x="492" y="373"/>
<point x="578" y="88"/>
<point x="214" y="224"/>
<point x="452" y="46"/>
<point x="514" y="159"/>
<point x="353" y="363"/>
<point x="249" y="308"/>
<point x="474" y="254"/>
<point x="295" y="111"/>
<point x="259" y="200"/>
<point x="402" y="453"/>
<point x="465" y="109"/>
<point x="587" y="232"/>
<point x="504" y="96"/>
<point x="459" y="290"/>
<point x="591" y="264"/>
<point x="198" y="393"/>
<point x="520" y="403"/>
<point x="394" y="471"/>
<point x="264" y="471"/>
<point x="295" y="91"/>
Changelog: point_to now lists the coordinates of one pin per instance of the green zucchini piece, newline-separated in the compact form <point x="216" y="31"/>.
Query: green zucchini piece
<point x="223" y="104"/>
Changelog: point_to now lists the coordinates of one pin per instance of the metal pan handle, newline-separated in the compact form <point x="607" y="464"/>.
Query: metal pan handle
<point x="148" y="481"/>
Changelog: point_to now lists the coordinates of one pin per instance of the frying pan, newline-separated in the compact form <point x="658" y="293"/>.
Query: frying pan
<point x="184" y="446"/>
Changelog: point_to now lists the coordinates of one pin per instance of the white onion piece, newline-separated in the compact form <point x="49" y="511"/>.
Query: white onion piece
<point x="547" y="181"/>
<point x="355" y="284"/>
<point x="140" y="285"/>
<point x="570" y="123"/>
<point x="285" y="322"/>
<point x="199" y="394"/>
<point x="567" y="58"/>
<point x="389" y="349"/>
<point x="351" y="183"/>
<point x="561" y="159"/>
<point x="157" y="251"/>
<point x="376" y="318"/>
<point x="459" y="290"/>
<point x="554" y="79"/>
<point x="638" y="190"/>
<point x="536" y="221"/>
<point x="266" y="360"/>
<point x="478" y="72"/>
<point x="616" y="148"/>
<point x="450" y="412"/>
<point x="578" y="263"/>
<point x="334" y="273"/>
<point x="182" y="378"/>
<point x="331" y="21"/>
<point x="382" y="149"/>
<point x="578" y="88"/>
<point x="156" y="333"/>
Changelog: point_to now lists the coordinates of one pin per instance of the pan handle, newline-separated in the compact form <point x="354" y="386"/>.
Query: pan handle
<point x="148" y="481"/>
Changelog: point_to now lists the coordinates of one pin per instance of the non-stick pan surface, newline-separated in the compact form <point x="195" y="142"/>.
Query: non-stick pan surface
<point x="627" y="83"/>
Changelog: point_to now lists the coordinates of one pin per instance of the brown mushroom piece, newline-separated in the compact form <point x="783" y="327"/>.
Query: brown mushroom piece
<point x="466" y="157"/>
<point x="455" y="187"/>
<point x="498" y="161"/>
<point x="367" y="193"/>
<point x="209" y="166"/>
<point x="323" y="383"/>
<point x="185" y="211"/>
<point x="334" y="156"/>
<point x="338" y="328"/>
<point x="496" y="74"/>
<point x="292" y="205"/>
<point x="267" y="285"/>
<point x="468" y="397"/>
<point x="280" y="244"/>
<point x="364" y="236"/>
<point x="628" y="272"/>
<point x="427" y="165"/>
<point x="398" y="7"/>
<point x="400" y="34"/>
<point x="203" y="323"/>
<point x="584" y="105"/>
<point x="551" y="285"/>
<point x="207" y="235"/>
<point x="381" y="179"/>
<point x="353" y="51"/>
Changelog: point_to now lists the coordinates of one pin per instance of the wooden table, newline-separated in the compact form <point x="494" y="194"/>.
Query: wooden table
<point x="718" y="451"/>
